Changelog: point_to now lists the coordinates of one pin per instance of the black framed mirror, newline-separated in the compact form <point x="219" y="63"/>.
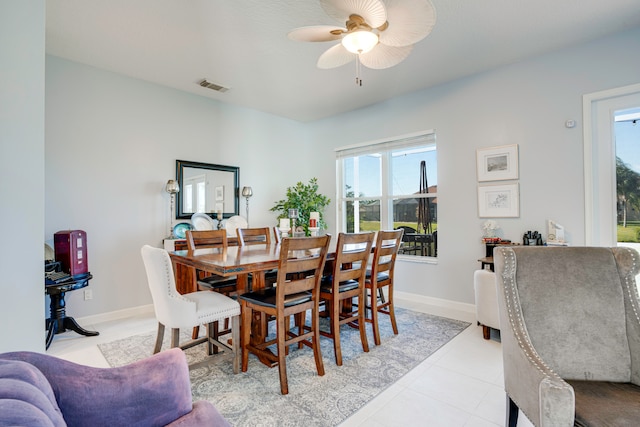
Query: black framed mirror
<point x="208" y="188"/>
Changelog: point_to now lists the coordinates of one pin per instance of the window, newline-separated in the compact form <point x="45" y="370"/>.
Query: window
<point x="391" y="184"/>
<point x="195" y="194"/>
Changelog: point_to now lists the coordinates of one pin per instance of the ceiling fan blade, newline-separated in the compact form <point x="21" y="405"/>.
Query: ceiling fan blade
<point x="316" y="33"/>
<point x="335" y="57"/>
<point x="372" y="11"/>
<point x="409" y="21"/>
<point x="383" y="56"/>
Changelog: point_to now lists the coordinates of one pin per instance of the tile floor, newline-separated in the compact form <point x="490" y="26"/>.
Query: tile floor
<point x="459" y="385"/>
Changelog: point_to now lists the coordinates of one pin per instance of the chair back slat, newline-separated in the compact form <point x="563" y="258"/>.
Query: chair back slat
<point x="300" y="266"/>
<point x="277" y="234"/>
<point x="200" y="239"/>
<point x="385" y="251"/>
<point x="352" y="253"/>
<point x="253" y="236"/>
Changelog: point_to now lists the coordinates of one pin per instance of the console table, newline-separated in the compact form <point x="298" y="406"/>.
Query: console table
<point x="59" y="322"/>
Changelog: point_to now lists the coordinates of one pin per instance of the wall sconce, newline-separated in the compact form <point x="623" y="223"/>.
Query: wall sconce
<point x="172" y="188"/>
<point x="246" y="193"/>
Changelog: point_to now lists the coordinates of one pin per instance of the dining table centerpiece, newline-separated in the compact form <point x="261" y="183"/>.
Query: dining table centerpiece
<point x="305" y="200"/>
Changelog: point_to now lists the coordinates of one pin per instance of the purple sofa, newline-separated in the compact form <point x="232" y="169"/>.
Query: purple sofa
<point x="41" y="390"/>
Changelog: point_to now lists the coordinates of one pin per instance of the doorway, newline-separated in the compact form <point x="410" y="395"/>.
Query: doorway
<point x="601" y="201"/>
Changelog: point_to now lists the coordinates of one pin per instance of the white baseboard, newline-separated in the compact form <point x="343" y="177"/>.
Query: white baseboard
<point x="435" y="306"/>
<point x="116" y="315"/>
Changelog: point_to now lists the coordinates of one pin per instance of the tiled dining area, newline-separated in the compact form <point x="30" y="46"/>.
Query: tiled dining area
<point x="459" y="385"/>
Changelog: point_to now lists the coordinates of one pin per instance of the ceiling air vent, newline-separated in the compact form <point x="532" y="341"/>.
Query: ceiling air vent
<point x="213" y="86"/>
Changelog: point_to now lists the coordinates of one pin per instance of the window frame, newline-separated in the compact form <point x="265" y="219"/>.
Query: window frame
<point x="384" y="147"/>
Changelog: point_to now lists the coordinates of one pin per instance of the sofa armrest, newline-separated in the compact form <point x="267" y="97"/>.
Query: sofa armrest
<point x="203" y="414"/>
<point x="151" y="392"/>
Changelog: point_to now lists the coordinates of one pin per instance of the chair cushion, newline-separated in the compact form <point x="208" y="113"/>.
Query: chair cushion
<point x="212" y="306"/>
<point x="26" y="397"/>
<point x="600" y="403"/>
<point x="215" y="281"/>
<point x="267" y="297"/>
<point x="327" y="282"/>
<point x="381" y="276"/>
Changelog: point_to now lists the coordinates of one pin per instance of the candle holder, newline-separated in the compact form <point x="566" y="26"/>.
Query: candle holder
<point x="284" y="232"/>
<point x="293" y="216"/>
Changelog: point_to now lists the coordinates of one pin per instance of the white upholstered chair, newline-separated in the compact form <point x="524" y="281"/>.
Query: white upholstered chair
<point x="189" y="310"/>
<point x="484" y="286"/>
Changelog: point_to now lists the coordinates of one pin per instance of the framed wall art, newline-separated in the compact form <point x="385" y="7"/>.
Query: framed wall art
<point x="220" y="193"/>
<point x="497" y="163"/>
<point x="498" y="201"/>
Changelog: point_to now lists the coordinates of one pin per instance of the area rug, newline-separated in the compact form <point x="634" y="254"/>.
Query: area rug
<point x="253" y="398"/>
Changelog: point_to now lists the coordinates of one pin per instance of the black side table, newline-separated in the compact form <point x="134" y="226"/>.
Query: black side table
<point x="59" y="322"/>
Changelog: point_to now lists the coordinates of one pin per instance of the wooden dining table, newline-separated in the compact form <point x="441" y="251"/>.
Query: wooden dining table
<point x="240" y="261"/>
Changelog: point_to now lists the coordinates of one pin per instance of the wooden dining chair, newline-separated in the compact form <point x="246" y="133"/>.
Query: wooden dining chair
<point x="290" y="297"/>
<point x="257" y="236"/>
<point x="211" y="239"/>
<point x="346" y="282"/>
<point x="207" y="281"/>
<point x="380" y="277"/>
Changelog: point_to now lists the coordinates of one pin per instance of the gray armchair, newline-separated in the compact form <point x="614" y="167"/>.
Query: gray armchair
<point x="570" y="330"/>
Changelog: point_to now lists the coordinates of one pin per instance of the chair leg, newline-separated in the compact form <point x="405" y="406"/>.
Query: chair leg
<point x="175" y="337"/>
<point x="335" y="331"/>
<point x="215" y="333"/>
<point x="486" y="332"/>
<point x="247" y="313"/>
<point x="362" y="322"/>
<point x="159" y="338"/>
<point x="512" y="413"/>
<point x="282" y="366"/>
<point x="392" y="311"/>
<point x="374" y="317"/>
<point x="211" y="330"/>
<point x="315" y="324"/>
<point x="195" y="332"/>
<point x="235" y="342"/>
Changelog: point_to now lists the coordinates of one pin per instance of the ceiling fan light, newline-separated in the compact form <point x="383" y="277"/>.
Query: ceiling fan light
<point x="361" y="41"/>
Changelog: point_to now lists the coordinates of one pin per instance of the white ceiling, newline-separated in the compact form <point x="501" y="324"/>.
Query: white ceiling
<point x="243" y="45"/>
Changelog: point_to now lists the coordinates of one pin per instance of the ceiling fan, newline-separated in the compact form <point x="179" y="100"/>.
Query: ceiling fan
<point x="377" y="34"/>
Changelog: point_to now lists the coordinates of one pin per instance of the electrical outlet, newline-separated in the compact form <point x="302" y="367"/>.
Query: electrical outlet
<point x="88" y="294"/>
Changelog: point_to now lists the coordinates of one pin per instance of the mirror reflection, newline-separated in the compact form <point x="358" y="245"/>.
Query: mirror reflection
<point x="208" y="188"/>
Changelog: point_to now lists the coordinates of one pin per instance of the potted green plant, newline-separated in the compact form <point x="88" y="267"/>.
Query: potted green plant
<point x="305" y="198"/>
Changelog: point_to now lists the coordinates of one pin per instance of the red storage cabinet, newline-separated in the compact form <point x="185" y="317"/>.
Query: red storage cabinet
<point x="70" y="247"/>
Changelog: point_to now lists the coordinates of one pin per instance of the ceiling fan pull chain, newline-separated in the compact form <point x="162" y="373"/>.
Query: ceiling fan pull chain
<point x="358" y="69"/>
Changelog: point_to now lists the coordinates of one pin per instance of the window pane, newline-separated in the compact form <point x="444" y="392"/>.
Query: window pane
<point x="362" y="215"/>
<point x="201" y="196"/>
<point x="419" y="239"/>
<point x="405" y="170"/>
<point x="188" y="198"/>
<point x="362" y="176"/>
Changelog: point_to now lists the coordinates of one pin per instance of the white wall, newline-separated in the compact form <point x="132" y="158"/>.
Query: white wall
<point x="112" y="142"/>
<point x="21" y="174"/>
<point x="525" y="104"/>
